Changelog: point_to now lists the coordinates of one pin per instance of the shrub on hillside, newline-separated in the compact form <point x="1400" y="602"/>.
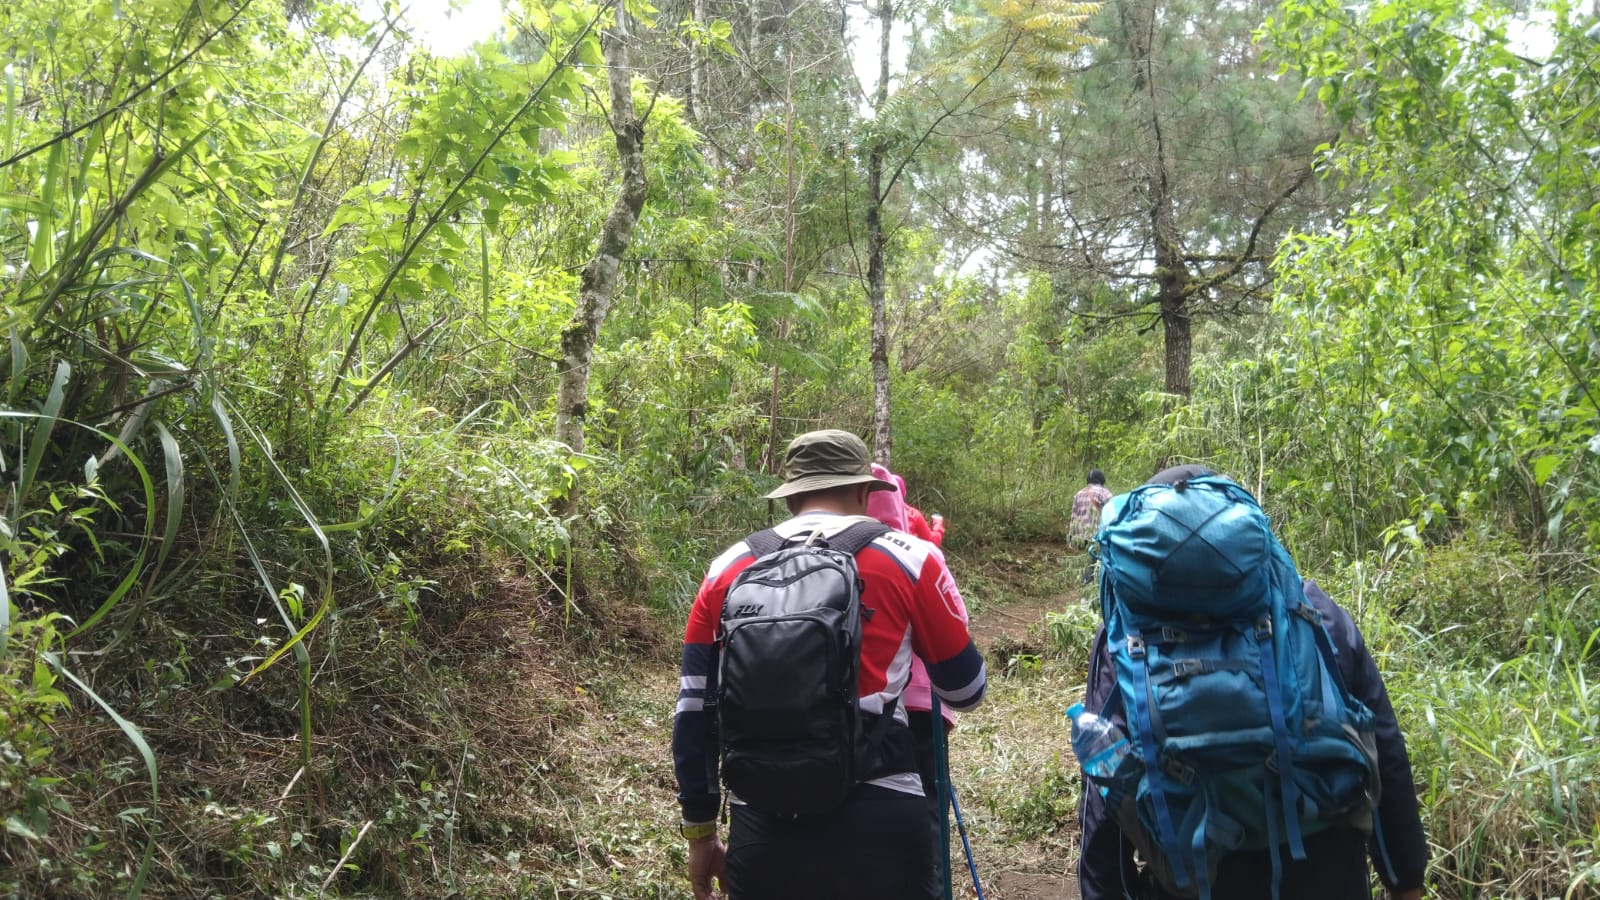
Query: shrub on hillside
<point x="1481" y="597"/>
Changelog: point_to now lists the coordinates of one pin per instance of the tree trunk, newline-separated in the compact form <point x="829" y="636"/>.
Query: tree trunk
<point x="1172" y="291"/>
<point x="882" y="436"/>
<point x="599" y="282"/>
<point x="695" y="102"/>
<point x="1175" y="322"/>
<point x="1173" y="278"/>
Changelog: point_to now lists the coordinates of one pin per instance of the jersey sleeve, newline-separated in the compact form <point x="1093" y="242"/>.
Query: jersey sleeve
<point x="939" y="636"/>
<point x="694" y="750"/>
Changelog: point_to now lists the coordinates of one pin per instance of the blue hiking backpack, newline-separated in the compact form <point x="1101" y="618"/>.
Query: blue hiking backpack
<point x="1243" y="735"/>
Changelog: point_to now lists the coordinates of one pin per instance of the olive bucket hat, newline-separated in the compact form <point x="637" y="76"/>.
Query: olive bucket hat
<point x="818" y="460"/>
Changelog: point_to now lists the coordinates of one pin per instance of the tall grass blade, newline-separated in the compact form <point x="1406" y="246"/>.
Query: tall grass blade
<point x="175" y="503"/>
<point x="175" y="494"/>
<point x="220" y="411"/>
<point x="8" y="142"/>
<point x="296" y="641"/>
<point x="310" y="517"/>
<point x="135" y="737"/>
<point x="21" y="203"/>
<point x="43" y="429"/>
<point x="302" y="656"/>
<point x="19" y="363"/>
<point x="42" y="255"/>
<point x="86" y="166"/>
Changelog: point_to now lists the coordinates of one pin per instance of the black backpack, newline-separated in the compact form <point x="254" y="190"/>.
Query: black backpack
<point x="790" y="652"/>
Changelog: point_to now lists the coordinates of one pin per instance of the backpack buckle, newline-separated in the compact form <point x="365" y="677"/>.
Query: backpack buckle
<point x="1183" y="668"/>
<point x="1263" y="628"/>
<point x="1178" y="770"/>
<point x="1171" y="635"/>
<point x="1136" y="646"/>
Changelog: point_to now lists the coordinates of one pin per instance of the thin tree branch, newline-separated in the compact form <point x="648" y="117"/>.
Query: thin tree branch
<point x="133" y="95"/>
<point x="438" y="212"/>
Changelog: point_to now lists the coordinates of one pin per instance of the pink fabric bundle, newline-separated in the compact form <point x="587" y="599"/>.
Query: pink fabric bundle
<point x="890" y="508"/>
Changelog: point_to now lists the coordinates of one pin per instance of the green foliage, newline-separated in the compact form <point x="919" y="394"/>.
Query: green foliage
<point x="1072" y="630"/>
<point x="1448" y="328"/>
<point x="1049" y="806"/>
<point x="30" y="701"/>
<point x="1475" y="599"/>
<point x="1503" y="750"/>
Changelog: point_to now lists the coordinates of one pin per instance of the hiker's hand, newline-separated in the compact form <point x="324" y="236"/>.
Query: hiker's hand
<point x="1412" y="894"/>
<point x="706" y="861"/>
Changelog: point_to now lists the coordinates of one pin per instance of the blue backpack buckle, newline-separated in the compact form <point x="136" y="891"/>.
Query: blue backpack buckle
<point x="1136" y="646"/>
<point x="1263" y="628"/>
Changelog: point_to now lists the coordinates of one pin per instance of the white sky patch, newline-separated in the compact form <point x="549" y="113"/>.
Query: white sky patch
<point x="1532" y="35"/>
<point x="445" y="27"/>
<point x="864" y="34"/>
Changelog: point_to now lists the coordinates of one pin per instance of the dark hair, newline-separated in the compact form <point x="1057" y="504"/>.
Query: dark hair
<point x="1176" y="474"/>
<point x="1097" y="477"/>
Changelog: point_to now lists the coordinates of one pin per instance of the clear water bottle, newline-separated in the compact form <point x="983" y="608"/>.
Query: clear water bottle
<point x="1100" y="746"/>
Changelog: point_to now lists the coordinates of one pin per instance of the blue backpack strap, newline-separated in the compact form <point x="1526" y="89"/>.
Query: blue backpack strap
<point x="1274" y="850"/>
<point x="1383" y="847"/>
<point x="1333" y="687"/>
<point x="1202" y="872"/>
<point x="1139" y="716"/>
<point x="1280" y="732"/>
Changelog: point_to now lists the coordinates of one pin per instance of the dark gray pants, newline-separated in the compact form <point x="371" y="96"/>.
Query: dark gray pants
<point x="875" y="847"/>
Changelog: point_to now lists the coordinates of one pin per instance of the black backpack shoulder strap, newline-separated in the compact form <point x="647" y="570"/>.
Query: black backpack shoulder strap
<point x="765" y="542"/>
<point x="855" y="538"/>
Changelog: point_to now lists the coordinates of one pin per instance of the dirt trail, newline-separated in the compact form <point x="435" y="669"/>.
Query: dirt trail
<point x="1010" y="760"/>
<point x="1018" y="623"/>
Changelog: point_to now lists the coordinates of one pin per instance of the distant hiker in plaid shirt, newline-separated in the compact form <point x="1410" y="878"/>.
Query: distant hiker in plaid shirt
<point x="1086" y="505"/>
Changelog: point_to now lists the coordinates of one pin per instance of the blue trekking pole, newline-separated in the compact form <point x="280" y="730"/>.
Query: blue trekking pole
<point x="961" y="826"/>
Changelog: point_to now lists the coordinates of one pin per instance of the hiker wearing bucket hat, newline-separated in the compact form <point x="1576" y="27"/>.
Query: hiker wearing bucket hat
<point x="872" y="843"/>
<point x="823" y="460"/>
